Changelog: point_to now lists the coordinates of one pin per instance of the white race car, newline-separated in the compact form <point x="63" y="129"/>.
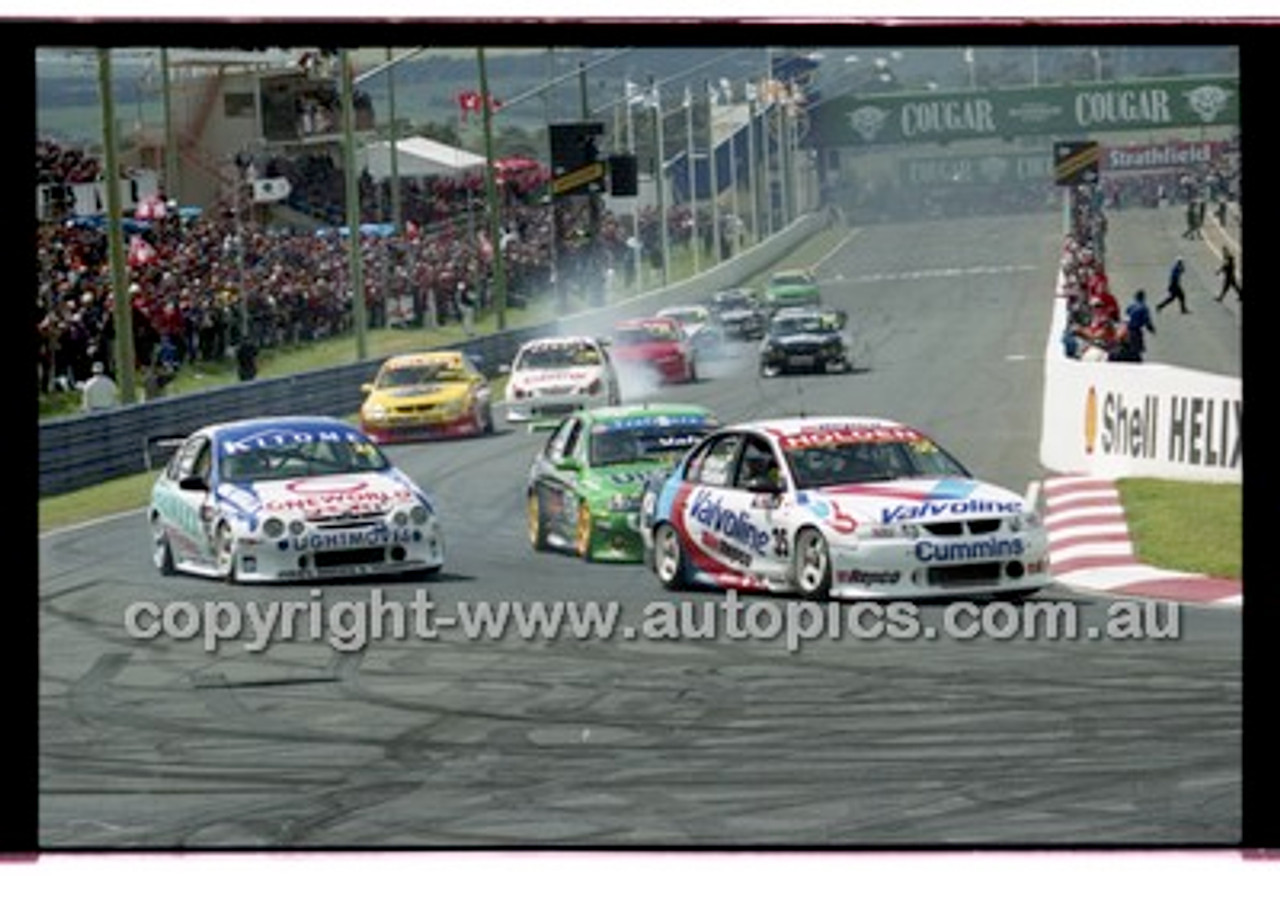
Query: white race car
<point x="289" y="499"/>
<point x="700" y="326"/>
<point x="840" y="508"/>
<point x="551" y="377"/>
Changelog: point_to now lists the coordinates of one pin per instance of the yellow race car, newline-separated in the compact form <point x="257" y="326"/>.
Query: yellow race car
<point x="422" y="395"/>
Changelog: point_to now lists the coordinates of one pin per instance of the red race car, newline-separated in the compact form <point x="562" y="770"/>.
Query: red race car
<point x="658" y="344"/>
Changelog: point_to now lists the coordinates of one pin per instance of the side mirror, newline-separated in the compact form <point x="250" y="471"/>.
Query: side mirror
<point x="366" y="389"/>
<point x="504" y="369"/>
<point x="193" y="482"/>
<point x="568" y="463"/>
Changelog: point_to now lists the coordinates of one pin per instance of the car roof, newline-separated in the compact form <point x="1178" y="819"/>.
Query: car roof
<point x="561" y="340"/>
<point x="645" y="410"/>
<point x="244" y="426"/>
<point x="410" y="360"/>
<point x="792" y="273"/>
<point x="796" y="425"/>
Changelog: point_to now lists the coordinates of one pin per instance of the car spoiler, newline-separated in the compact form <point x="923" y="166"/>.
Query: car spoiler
<point x="544" y="424"/>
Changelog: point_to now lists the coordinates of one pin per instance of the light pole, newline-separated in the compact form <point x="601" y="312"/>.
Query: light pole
<point x="714" y="193"/>
<point x="122" y="303"/>
<point x="691" y="176"/>
<point x="655" y="98"/>
<point x="491" y="193"/>
<point x="359" y="313"/>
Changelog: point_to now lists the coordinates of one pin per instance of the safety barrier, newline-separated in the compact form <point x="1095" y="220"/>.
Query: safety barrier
<point x="81" y="450"/>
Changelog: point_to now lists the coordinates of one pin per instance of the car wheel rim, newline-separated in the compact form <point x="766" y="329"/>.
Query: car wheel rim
<point x="668" y="555"/>
<point x="533" y="515"/>
<point x="584" y="530"/>
<point x="224" y="550"/>
<point x="812" y="556"/>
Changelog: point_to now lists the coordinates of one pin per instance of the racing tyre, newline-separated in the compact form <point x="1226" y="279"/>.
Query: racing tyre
<point x="693" y="372"/>
<point x="770" y="371"/>
<point x="668" y="558"/>
<point x="225" y="548"/>
<point x="488" y="420"/>
<point x="161" y="553"/>
<point x="537" y="523"/>
<point x="812" y="571"/>
<point x="582" y="533"/>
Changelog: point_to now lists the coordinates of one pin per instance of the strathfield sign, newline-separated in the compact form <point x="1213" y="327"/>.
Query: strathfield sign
<point x="887" y="119"/>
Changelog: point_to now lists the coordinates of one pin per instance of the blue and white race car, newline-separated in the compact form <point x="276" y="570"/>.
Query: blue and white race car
<point x="838" y="508"/>
<point x="289" y="499"/>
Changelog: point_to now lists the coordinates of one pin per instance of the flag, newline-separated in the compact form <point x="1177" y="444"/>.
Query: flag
<point x="141" y="252"/>
<point x="149" y="208"/>
<point x="726" y="90"/>
<point x="688" y="98"/>
<point x="713" y="96"/>
<point x="473" y="101"/>
<point x="633" y="93"/>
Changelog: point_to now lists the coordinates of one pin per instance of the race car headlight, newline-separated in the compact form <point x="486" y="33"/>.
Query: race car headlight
<point x="400" y="519"/>
<point x="296" y="527"/>
<point x="891" y="531"/>
<point x="273" y="528"/>
<point x="375" y="411"/>
<point x="418" y="514"/>
<point x="1025" y="521"/>
<point x="593" y="388"/>
<point x="622" y="503"/>
<point x="454" y="407"/>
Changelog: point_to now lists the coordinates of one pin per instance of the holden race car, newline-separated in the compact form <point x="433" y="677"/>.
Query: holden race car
<point x="418" y="395"/>
<point x="806" y="340"/>
<point x="655" y="344"/>
<point x="792" y="287"/>
<point x="585" y="485"/>
<point x="739" y="313"/>
<point x="289" y="499"/>
<point x="554" y="376"/>
<point x="700" y="327"/>
<point x="838" y="508"/>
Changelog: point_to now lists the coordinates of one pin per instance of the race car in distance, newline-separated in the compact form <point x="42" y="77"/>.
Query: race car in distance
<point x="289" y="499"/>
<point x="806" y="340"/>
<point x="840" y="508"/>
<point x="656" y="344"/>
<point x="739" y="313"/>
<point x="700" y="327"/>
<point x="554" y="376"/>
<point x="792" y="287"/>
<point x="585" y="485"/>
<point x="417" y="395"/>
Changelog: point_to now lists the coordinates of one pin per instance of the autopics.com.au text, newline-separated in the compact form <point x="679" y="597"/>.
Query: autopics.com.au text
<point x="351" y="625"/>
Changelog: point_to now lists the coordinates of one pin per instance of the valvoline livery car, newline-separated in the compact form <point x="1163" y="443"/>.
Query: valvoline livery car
<point x="289" y="499"/>
<point x="838" y="507"/>
<point x="585" y="485"/>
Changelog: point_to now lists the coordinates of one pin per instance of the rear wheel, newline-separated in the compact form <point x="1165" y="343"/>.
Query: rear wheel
<point x="812" y="565"/>
<point x="668" y="557"/>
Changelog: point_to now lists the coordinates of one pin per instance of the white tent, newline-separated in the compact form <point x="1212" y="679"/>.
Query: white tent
<point x="418" y="157"/>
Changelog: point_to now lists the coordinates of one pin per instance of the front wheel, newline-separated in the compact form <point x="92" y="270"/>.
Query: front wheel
<point x="537" y="524"/>
<point x="583" y="533"/>
<point x="161" y="551"/>
<point x="225" y="548"/>
<point x="813" y="565"/>
<point x="668" y="557"/>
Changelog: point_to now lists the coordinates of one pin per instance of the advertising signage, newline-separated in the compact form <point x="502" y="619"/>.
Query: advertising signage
<point x="887" y="119"/>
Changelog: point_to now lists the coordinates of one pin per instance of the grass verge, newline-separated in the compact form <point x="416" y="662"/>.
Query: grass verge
<point x="1183" y="526"/>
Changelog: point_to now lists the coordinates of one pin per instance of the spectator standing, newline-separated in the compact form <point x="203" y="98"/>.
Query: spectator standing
<point x="1175" y="287"/>
<point x="1137" y="321"/>
<point x="1228" y="272"/>
<point x="99" y="392"/>
<point x="247" y="359"/>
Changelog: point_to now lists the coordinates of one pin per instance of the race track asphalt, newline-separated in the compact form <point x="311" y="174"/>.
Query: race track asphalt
<point x="451" y="742"/>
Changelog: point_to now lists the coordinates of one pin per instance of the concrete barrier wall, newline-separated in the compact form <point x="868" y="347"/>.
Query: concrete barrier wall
<point x="1115" y="419"/>
<point x="81" y="450"/>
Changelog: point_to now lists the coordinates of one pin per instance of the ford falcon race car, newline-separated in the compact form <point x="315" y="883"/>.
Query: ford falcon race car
<point x="289" y="499"/>
<point x="585" y="485"/>
<point x="658" y="345"/>
<point x="417" y="395"/>
<point x="791" y="287"/>
<point x="805" y="340"/>
<point x="739" y="313"/>
<point x="841" y="508"/>
<point x="700" y="327"/>
<point x="554" y="376"/>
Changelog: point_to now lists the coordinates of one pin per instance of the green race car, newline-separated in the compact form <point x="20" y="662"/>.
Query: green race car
<point x="585" y="485"/>
<point x="791" y="287"/>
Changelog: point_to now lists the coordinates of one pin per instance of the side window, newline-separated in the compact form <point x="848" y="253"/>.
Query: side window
<point x="555" y="450"/>
<point x="715" y="466"/>
<point x="758" y="467"/>
<point x="184" y="460"/>
<point x="571" y="440"/>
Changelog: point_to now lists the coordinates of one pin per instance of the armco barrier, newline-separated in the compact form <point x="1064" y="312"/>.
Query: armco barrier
<point x="1120" y="419"/>
<point x="81" y="450"/>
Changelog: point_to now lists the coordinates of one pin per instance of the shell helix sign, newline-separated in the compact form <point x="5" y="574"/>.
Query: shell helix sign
<point x="1162" y="431"/>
